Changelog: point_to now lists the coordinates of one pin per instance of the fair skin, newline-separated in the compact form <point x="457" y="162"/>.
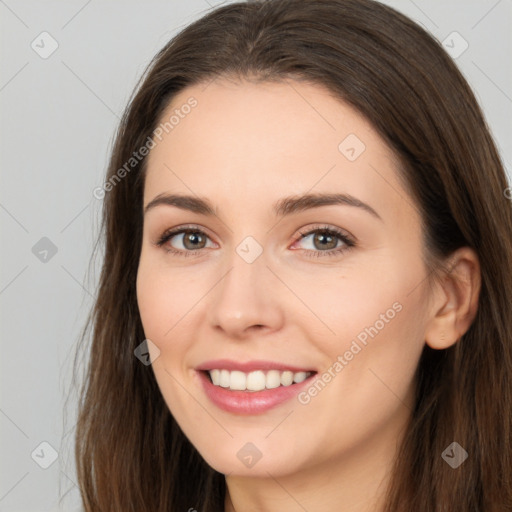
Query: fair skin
<point x="244" y="147"/>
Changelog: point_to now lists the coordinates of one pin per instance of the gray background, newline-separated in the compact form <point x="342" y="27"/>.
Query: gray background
<point x="58" y="116"/>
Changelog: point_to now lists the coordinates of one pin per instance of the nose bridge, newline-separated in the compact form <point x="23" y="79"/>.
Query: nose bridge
<point x="247" y="263"/>
<point x="241" y="299"/>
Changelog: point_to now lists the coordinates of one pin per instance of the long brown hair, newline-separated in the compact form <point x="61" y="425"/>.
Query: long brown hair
<point x="130" y="453"/>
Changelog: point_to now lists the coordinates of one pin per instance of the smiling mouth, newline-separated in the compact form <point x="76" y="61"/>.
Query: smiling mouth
<point x="258" y="380"/>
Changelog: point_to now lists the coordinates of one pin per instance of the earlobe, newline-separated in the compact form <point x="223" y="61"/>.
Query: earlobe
<point x="441" y="331"/>
<point x="456" y="300"/>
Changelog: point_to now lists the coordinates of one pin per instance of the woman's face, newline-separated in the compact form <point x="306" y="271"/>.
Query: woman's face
<point x="260" y="304"/>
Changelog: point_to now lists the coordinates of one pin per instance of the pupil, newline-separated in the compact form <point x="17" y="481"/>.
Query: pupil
<point x="192" y="238"/>
<point x="326" y="238"/>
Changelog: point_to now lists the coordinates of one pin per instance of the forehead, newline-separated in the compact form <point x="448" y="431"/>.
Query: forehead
<point x="243" y="139"/>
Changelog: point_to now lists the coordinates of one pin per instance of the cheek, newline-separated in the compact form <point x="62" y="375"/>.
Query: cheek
<point x="376" y="323"/>
<point x="164" y="297"/>
<point x="367" y="382"/>
<point x="163" y="303"/>
<point x="347" y="305"/>
<point x="378" y="301"/>
<point x="381" y="357"/>
<point x="155" y="306"/>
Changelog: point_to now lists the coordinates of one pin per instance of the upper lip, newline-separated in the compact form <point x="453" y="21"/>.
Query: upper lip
<point x="249" y="366"/>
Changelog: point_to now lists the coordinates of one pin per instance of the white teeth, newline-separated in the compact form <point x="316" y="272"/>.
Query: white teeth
<point x="257" y="380"/>
<point x="286" y="378"/>
<point x="273" y="379"/>
<point x="224" y="379"/>
<point x="299" y="377"/>
<point x="215" y="375"/>
<point x="237" y="381"/>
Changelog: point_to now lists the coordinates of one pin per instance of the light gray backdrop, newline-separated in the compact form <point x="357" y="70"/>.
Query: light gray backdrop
<point x="67" y="71"/>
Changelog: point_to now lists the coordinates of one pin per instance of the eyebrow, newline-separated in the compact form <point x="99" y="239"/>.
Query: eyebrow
<point x="283" y="207"/>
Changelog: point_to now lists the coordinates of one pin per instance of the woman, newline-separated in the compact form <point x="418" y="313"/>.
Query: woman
<point x="307" y="237"/>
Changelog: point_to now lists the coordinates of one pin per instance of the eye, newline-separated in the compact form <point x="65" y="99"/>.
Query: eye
<point x="325" y="241"/>
<point x="319" y="241"/>
<point x="185" y="240"/>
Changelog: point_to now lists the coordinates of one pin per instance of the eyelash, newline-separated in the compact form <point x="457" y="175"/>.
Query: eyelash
<point x="348" y="241"/>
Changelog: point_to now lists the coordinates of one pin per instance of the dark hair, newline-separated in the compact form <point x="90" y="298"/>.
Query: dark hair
<point x="131" y="455"/>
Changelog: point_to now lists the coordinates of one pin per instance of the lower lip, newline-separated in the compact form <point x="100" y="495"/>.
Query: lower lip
<point x="250" y="402"/>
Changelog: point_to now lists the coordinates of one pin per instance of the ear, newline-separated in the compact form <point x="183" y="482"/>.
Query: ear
<point x="455" y="300"/>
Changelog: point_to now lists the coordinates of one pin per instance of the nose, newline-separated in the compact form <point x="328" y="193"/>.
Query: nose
<point x="247" y="300"/>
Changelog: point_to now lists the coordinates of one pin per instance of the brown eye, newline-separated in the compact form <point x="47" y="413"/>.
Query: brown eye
<point x="184" y="241"/>
<point x="323" y="240"/>
<point x="194" y="240"/>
